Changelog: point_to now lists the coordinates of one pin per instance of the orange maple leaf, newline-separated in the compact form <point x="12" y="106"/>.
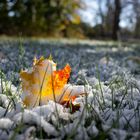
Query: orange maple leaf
<point x="45" y="83"/>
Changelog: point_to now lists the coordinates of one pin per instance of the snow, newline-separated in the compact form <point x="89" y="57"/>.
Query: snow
<point x="118" y="134"/>
<point x="30" y="117"/>
<point x="6" y="123"/>
<point x="92" y="130"/>
<point x="48" y="110"/>
<point x="117" y="118"/>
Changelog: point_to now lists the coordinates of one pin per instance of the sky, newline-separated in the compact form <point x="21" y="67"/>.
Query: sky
<point x="89" y="14"/>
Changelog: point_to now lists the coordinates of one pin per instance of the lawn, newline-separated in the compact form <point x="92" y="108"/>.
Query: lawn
<point x="109" y="71"/>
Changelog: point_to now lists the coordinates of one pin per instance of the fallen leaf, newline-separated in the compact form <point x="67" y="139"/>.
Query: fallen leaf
<point x="43" y="83"/>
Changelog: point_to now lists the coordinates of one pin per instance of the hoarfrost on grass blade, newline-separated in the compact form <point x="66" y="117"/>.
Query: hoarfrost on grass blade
<point x="4" y="101"/>
<point x="9" y="95"/>
<point x="7" y="86"/>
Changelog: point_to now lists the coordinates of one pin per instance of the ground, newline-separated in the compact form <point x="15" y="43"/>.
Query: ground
<point x="110" y="72"/>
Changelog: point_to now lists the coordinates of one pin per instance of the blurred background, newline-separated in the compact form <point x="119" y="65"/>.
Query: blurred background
<point x="100" y="19"/>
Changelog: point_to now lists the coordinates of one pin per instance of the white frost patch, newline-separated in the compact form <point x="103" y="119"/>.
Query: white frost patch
<point x="4" y="101"/>
<point x="92" y="130"/>
<point x="81" y="133"/>
<point x="116" y="134"/>
<point x="30" y="117"/>
<point x="29" y="131"/>
<point x="3" y="135"/>
<point x="6" y="123"/>
<point x="51" y="109"/>
<point x="2" y="111"/>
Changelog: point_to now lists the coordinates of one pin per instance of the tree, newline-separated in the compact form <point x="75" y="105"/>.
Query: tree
<point x="61" y="15"/>
<point x="3" y="16"/>
<point x="32" y="17"/>
<point x="109" y="12"/>
<point x="136" y="6"/>
<point x="117" y="12"/>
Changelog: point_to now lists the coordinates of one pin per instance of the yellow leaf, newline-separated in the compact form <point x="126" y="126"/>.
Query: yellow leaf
<point x="44" y="83"/>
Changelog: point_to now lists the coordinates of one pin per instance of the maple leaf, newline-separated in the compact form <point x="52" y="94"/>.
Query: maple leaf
<point x="44" y="83"/>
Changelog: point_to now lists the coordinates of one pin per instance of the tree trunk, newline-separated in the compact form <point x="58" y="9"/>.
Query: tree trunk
<point x="117" y="13"/>
<point x="102" y="30"/>
<point x="136" y="5"/>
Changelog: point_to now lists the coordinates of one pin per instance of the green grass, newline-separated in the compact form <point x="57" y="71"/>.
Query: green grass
<point x="88" y="113"/>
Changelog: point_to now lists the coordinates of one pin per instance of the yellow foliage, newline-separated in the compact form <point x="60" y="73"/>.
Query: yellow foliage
<point x="44" y="83"/>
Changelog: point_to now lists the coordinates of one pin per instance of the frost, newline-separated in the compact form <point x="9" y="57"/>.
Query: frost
<point x="3" y="135"/>
<point x="81" y="133"/>
<point x="111" y="109"/>
<point x="6" y="123"/>
<point x="4" y="101"/>
<point x="118" y="134"/>
<point x="2" y="111"/>
<point x="30" y="117"/>
<point x="7" y="86"/>
<point x="51" y="109"/>
<point x="92" y="130"/>
<point x="31" y="130"/>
